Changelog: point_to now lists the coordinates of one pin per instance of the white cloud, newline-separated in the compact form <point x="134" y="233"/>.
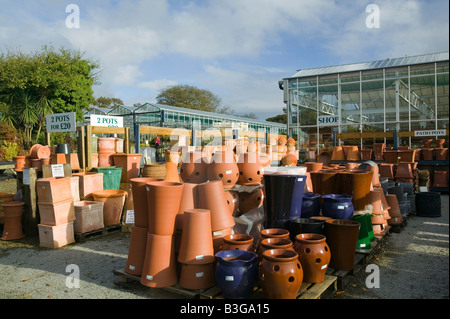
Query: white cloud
<point x="157" y="85"/>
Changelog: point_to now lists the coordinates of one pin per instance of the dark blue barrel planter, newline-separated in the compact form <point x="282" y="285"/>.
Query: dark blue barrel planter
<point x="337" y="206"/>
<point x="310" y="205"/>
<point x="236" y="273"/>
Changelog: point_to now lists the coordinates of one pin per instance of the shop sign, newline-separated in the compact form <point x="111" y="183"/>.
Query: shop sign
<point x="328" y="120"/>
<point x="61" y="122"/>
<point x="105" y="120"/>
<point x="430" y="133"/>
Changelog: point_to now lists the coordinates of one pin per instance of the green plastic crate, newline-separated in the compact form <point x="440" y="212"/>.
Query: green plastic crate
<point x="111" y="176"/>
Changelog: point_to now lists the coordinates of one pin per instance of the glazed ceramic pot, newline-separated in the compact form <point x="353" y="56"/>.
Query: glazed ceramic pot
<point x="274" y="243"/>
<point x="223" y="167"/>
<point x="19" y="163"/>
<point x="305" y="225"/>
<point x="113" y="203"/>
<point x="236" y="273"/>
<point x="272" y="233"/>
<point x="366" y="233"/>
<point x="212" y="196"/>
<point x="139" y="191"/>
<point x="159" y="268"/>
<point x="337" y="206"/>
<point x="238" y="241"/>
<point x="283" y="198"/>
<point x="189" y="200"/>
<point x="136" y="250"/>
<point x="163" y="200"/>
<point x="196" y="245"/>
<point x="193" y="168"/>
<point x="197" y="276"/>
<point x="357" y="184"/>
<point x="249" y="201"/>
<point x="12" y="219"/>
<point x="232" y="198"/>
<point x="342" y="237"/>
<point x="324" y="182"/>
<point x="250" y="169"/>
<point x="280" y="274"/>
<point x="310" y="205"/>
<point x="314" y="255"/>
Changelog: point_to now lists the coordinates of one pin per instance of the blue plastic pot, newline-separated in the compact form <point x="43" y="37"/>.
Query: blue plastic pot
<point x="337" y="206"/>
<point x="236" y="273"/>
<point x="310" y="205"/>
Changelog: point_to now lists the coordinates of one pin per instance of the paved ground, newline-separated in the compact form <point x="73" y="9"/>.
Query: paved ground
<point x="413" y="264"/>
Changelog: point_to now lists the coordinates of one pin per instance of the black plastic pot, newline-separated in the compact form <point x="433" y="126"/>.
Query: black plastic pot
<point x="63" y="148"/>
<point x="306" y="225"/>
<point x="428" y="204"/>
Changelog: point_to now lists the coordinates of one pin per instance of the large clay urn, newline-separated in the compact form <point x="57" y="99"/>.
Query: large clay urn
<point x="139" y="191"/>
<point x="211" y="196"/>
<point x="196" y="238"/>
<point x="193" y="168"/>
<point x="223" y="167"/>
<point x="159" y="268"/>
<point x="250" y="200"/>
<point x="280" y="274"/>
<point x="250" y="169"/>
<point x="314" y="255"/>
<point x="12" y="220"/>
<point x="136" y="250"/>
<point x="163" y="200"/>
<point x="357" y="184"/>
<point x="342" y="237"/>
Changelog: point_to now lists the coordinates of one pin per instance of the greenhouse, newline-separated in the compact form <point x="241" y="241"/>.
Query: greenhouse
<point x="364" y="103"/>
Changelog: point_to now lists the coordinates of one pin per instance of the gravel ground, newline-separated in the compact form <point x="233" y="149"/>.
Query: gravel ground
<point x="413" y="264"/>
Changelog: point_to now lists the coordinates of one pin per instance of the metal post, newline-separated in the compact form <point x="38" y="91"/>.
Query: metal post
<point x="137" y="137"/>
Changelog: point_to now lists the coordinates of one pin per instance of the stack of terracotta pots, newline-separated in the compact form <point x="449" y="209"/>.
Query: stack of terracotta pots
<point x="405" y="172"/>
<point x="39" y="155"/>
<point x="12" y="220"/>
<point x="106" y="147"/>
<point x="279" y="148"/>
<point x="4" y="198"/>
<point x="394" y="210"/>
<point x="380" y="213"/>
<point x="56" y="211"/>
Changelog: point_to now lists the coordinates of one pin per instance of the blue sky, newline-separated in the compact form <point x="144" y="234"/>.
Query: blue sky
<point x="237" y="49"/>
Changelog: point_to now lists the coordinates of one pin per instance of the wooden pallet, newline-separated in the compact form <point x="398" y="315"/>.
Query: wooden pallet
<point x="81" y="237"/>
<point x="306" y="291"/>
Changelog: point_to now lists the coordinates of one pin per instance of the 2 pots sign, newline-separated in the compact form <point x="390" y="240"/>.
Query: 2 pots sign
<point x="61" y="122"/>
<point x="104" y="120"/>
<point x="328" y="120"/>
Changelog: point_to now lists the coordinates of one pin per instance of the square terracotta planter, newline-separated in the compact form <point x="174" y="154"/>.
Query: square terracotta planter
<point x="53" y="189"/>
<point x="89" y="182"/>
<point x="88" y="216"/>
<point x="54" y="214"/>
<point x="130" y="164"/>
<point x="74" y="185"/>
<point x="58" y="158"/>
<point x="56" y="236"/>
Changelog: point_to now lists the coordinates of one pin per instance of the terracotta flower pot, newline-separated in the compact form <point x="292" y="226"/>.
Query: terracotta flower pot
<point x="39" y="151"/>
<point x="289" y="160"/>
<point x="427" y="142"/>
<point x="441" y="154"/>
<point x="313" y="166"/>
<point x="274" y="243"/>
<point x="394" y="211"/>
<point x="159" y="268"/>
<point x="136" y="250"/>
<point x="105" y="159"/>
<point x="272" y="233"/>
<point x="212" y="196"/>
<point x="366" y="154"/>
<point x="238" y="241"/>
<point x="250" y="169"/>
<point x="338" y="154"/>
<point x="197" y="276"/>
<point x="428" y="154"/>
<point x="172" y="174"/>
<point x="106" y="145"/>
<point x="189" y="200"/>
<point x="405" y="170"/>
<point x="218" y="236"/>
<point x="45" y="161"/>
<point x="130" y="164"/>
<point x="19" y="163"/>
<point x="440" y="179"/>
<point x="113" y="203"/>
<point x="314" y="255"/>
<point x="163" y="200"/>
<point x="342" y="236"/>
<point x="280" y="274"/>
<point x="193" y="168"/>
<point x="223" y="167"/>
<point x="387" y="170"/>
<point x="139" y="191"/>
<point x="249" y="201"/>
<point x="391" y="157"/>
<point x="357" y="184"/>
<point x="353" y="154"/>
<point x="439" y="143"/>
<point x="371" y="166"/>
<point x="12" y="211"/>
<point x="196" y="238"/>
<point x="232" y="198"/>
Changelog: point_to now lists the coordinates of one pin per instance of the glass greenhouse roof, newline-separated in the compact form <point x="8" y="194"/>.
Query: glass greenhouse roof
<point x="379" y="64"/>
